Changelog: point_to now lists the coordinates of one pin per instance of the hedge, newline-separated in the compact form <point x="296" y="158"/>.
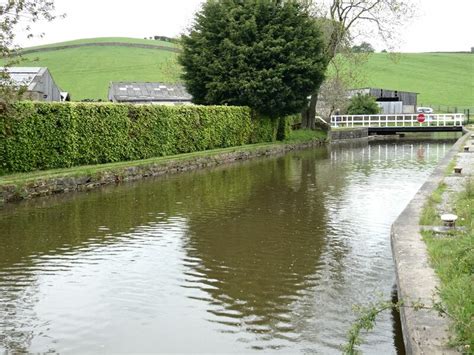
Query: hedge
<point x="39" y="136"/>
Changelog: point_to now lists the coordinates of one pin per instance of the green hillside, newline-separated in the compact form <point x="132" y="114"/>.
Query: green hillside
<point x="108" y="39"/>
<point x="87" y="71"/>
<point x="440" y="78"/>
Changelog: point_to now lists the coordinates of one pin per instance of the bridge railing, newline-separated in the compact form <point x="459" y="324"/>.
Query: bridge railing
<point x="398" y="120"/>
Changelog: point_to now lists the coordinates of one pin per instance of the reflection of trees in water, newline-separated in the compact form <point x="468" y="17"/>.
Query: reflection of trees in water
<point x="72" y="224"/>
<point x="47" y="226"/>
<point x="255" y="258"/>
<point x="256" y="232"/>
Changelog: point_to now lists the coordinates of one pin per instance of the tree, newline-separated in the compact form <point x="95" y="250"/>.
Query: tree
<point x="364" y="47"/>
<point x="363" y="105"/>
<point x="265" y="54"/>
<point x="15" y="15"/>
<point x="343" y="73"/>
<point x="347" y="19"/>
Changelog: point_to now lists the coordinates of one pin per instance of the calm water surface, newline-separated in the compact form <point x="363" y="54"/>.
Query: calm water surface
<point x="261" y="256"/>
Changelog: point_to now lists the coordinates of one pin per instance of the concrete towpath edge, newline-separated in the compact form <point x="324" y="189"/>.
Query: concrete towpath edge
<point x="424" y="330"/>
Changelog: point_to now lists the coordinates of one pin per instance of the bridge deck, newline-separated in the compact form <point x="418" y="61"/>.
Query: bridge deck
<point x="393" y="130"/>
<point x="387" y="124"/>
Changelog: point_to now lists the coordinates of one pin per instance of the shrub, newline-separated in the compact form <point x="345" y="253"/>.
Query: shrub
<point x="57" y="135"/>
<point x="363" y="105"/>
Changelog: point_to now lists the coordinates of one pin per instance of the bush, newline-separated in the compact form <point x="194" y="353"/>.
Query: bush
<point x="57" y="135"/>
<point x="363" y="105"/>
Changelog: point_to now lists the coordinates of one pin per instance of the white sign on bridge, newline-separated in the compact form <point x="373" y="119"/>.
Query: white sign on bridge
<point x="431" y="120"/>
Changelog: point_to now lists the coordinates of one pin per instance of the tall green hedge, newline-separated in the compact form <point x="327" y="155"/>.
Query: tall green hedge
<point x="40" y="136"/>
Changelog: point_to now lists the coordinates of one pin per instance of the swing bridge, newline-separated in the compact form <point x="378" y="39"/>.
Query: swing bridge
<point x="398" y="123"/>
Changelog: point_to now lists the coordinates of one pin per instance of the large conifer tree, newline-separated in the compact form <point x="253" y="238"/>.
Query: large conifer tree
<point x="265" y="54"/>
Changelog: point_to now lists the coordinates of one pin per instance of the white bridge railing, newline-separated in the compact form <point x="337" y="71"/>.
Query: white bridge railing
<point x="397" y="120"/>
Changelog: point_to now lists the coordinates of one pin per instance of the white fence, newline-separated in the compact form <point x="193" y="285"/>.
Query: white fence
<point x="399" y="120"/>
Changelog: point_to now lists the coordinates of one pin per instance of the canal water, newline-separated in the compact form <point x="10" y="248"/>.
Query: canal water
<point x="268" y="255"/>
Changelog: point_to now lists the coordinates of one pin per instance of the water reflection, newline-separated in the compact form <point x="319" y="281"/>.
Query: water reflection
<point x="260" y="255"/>
<point x="268" y="254"/>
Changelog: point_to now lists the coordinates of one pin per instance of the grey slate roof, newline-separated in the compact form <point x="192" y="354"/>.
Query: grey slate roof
<point x="148" y="92"/>
<point x="23" y="75"/>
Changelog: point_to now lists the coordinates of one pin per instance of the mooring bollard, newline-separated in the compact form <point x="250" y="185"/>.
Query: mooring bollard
<point x="449" y="220"/>
<point x="457" y="170"/>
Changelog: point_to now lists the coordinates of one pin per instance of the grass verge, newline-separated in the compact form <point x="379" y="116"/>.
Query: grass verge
<point x="305" y="135"/>
<point x="430" y="215"/>
<point x="296" y="137"/>
<point x="453" y="260"/>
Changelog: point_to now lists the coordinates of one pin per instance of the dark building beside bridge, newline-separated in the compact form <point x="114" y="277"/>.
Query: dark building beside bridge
<point x="390" y="101"/>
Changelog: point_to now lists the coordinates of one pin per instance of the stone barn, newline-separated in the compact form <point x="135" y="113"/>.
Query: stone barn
<point x="149" y="93"/>
<point x="390" y="101"/>
<point x="39" y="83"/>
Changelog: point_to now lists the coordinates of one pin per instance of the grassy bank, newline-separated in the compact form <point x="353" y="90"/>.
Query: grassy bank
<point x="296" y="137"/>
<point x="452" y="257"/>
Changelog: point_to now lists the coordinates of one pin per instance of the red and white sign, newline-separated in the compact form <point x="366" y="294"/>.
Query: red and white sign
<point x="421" y="118"/>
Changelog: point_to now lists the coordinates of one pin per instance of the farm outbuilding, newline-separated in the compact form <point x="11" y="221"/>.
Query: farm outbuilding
<point x="149" y="93"/>
<point x="39" y="83"/>
<point x="390" y="101"/>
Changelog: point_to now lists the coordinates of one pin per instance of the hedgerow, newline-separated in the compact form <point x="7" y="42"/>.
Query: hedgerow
<point x="37" y="136"/>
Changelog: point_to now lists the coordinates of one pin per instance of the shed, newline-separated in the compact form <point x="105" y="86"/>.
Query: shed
<point x="390" y="101"/>
<point x="149" y="93"/>
<point x="39" y="83"/>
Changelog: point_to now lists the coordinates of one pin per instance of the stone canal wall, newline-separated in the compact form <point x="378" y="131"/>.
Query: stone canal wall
<point x="424" y="331"/>
<point x="62" y="184"/>
<point x="345" y="134"/>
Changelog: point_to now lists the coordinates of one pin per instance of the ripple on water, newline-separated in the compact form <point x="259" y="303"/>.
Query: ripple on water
<point x="265" y="256"/>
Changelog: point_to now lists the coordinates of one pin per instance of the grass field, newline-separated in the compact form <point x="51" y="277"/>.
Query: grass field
<point x="87" y="71"/>
<point x="440" y="78"/>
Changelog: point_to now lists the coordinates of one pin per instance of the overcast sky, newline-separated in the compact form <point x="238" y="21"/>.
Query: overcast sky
<point x="439" y="25"/>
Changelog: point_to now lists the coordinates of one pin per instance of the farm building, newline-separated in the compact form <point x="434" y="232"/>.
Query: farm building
<point x="38" y="81"/>
<point x="149" y="93"/>
<point x="390" y="101"/>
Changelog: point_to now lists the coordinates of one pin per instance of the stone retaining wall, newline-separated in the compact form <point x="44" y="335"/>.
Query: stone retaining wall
<point x="343" y="134"/>
<point x="58" y="185"/>
<point x="101" y="44"/>
<point x="424" y="331"/>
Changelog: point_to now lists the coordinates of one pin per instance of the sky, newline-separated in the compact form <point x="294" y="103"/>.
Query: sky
<point x="437" y="25"/>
